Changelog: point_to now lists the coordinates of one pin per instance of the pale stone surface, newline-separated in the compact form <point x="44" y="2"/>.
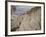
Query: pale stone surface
<point x="15" y="21"/>
<point x="28" y="21"/>
<point x="31" y="22"/>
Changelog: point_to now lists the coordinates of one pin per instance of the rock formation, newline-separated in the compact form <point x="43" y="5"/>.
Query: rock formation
<point x="27" y="22"/>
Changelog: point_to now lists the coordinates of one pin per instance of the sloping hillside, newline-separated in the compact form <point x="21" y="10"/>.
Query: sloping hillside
<point x="29" y="21"/>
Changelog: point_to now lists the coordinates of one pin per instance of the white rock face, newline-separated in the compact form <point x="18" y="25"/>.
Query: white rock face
<point x="26" y="22"/>
<point x="32" y="21"/>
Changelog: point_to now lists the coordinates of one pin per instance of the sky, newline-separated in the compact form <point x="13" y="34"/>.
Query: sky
<point x="18" y="10"/>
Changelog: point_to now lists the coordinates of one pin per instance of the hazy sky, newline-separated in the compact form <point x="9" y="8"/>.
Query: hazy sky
<point x="20" y="9"/>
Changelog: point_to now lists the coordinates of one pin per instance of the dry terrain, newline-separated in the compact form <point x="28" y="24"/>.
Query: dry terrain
<point x="27" y="21"/>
